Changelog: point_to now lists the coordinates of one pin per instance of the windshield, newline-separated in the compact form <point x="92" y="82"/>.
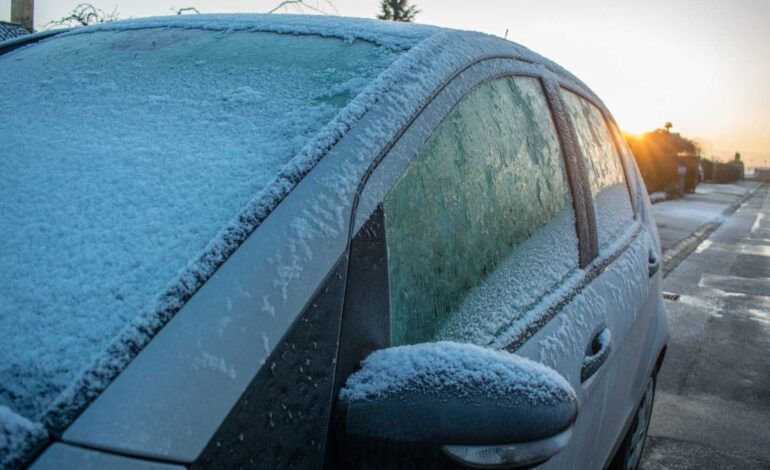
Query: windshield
<point x="124" y="156"/>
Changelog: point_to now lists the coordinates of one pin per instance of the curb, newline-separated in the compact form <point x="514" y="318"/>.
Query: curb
<point x="683" y="248"/>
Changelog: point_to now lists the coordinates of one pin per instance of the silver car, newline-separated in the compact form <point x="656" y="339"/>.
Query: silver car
<point x="247" y="241"/>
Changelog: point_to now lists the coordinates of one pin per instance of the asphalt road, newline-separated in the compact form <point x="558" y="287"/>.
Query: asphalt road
<point x="712" y="409"/>
<point x="680" y="218"/>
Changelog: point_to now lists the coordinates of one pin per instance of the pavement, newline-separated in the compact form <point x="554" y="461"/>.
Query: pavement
<point x="685" y="223"/>
<point x="680" y="218"/>
<point x="712" y="409"/>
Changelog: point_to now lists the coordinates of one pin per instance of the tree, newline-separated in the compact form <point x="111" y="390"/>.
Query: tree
<point x="668" y="126"/>
<point x="85" y="14"/>
<point x="397" y="10"/>
<point x="658" y="155"/>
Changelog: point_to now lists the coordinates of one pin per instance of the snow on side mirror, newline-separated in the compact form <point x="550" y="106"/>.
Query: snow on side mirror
<point x="479" y="406"/>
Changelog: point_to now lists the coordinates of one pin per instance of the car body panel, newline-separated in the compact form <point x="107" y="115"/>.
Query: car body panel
<point x="172" y="397"/>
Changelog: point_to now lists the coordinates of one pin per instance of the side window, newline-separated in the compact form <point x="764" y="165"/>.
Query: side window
<point x="480" y="226"/>
<point x="612" y="202"/>
<point x="628" y="158"/>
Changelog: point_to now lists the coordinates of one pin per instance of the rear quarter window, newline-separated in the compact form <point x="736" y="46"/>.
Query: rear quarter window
<point x="612" y="203"/>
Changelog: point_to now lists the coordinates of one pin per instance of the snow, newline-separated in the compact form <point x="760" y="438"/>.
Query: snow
<point x="691" y="210"/>
<point x="454" y="369"/>
<point x="604" y="339"/>
<point x="614" y="214"/>
<point x="621" y="288"/>
<point x="18" y="437"/>
<point x="392" y="35"/>
<point x="119" y="200"/>
<point x="612" y="201"/>
<point x="658" y="197"/>
<point x="505" y="178"/>
<point x="528" y="277"/>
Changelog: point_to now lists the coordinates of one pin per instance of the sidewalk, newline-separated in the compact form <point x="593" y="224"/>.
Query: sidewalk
<point x="679" y="218"/>
<point x="712" y="407"/>
<point x="684" y="223"/>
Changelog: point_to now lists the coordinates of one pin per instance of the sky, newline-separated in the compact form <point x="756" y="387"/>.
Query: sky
<point x="703" y="65"/>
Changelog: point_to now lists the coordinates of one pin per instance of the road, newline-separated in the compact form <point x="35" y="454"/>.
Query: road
<point x="712" y="409"/>
<point x="679" y="218"/>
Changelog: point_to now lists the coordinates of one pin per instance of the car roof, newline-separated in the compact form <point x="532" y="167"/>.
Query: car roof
<point x="392" y="34"/>
<point x="396" y="35"/>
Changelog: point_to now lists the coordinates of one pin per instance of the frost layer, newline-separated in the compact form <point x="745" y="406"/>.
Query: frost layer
<point x="18" y="437"/>
<point x="449" y="368"/>
<point x="136" y="161"/>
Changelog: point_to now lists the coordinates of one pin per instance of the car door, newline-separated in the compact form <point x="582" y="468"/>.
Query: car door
<point x="620" y="269"/>
<point x="472" y="228"/>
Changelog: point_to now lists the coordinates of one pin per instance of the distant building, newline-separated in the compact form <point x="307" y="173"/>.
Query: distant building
<point x="12" y="30"/>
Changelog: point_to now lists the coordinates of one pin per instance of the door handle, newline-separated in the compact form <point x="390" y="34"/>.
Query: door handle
<point x="596" y="353"/>
<point x="654" y="262"/>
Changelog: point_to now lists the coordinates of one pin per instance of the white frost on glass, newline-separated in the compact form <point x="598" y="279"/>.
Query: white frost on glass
<point x="612" y="207"/>
<point x="612" y="201"/>
<point x="480" y="225"/>
<point x="449" y="368"/>
<point x="529" y="277"/>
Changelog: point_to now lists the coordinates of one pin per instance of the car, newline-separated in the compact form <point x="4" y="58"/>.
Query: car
<point x="266" y="241"/>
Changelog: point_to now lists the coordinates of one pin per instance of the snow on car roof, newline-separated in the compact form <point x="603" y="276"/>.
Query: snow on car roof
<point x="393" y="35"/>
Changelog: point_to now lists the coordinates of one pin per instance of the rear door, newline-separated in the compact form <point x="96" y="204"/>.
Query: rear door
<point x="620" y="268"/>
<point x="474" y="227"/>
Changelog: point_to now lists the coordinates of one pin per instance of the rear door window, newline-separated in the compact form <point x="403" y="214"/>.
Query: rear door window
<point x="612" y="202"/>
<point x="480" y="226"/>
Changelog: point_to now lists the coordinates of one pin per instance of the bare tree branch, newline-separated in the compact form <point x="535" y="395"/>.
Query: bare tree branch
<point x="299" y="4"/>
<point x="85" y="14"/>
<point x="329" y="2"/>
<point x="182" y="11"/>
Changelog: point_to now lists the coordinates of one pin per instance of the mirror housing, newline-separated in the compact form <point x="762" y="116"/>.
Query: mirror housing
<point x="479" y="406"/>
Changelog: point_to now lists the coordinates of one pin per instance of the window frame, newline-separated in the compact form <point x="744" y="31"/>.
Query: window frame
<point x="601" y="260"/>
<point x="394" y="158"/>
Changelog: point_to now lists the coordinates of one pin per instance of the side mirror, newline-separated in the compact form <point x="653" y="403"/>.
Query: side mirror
<point x="482" y="408"/>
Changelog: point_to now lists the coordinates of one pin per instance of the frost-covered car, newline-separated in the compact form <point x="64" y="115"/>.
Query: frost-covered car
<point x="289" y="241"/>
